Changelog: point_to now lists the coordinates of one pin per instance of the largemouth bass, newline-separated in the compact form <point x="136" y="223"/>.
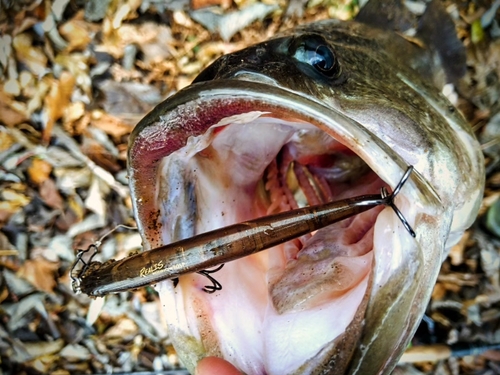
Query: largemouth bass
<point x="326" y="111"/>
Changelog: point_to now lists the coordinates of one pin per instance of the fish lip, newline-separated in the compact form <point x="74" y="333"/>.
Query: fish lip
<point x="148" y="142"/>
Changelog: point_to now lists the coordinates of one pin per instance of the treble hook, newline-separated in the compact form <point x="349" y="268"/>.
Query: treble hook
<point x="75" y="280"/>
<point x="215" y="284"/>
<point x="389" y="200"/>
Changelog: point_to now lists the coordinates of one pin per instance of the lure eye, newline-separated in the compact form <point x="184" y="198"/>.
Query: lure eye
<point x="313" y="50"/>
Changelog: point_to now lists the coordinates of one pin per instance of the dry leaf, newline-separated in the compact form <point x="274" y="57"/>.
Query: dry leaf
<point x="50" y="194"/>
<point x="78" y="65"/>
<point x="439" y="292"/>
<point x="197" y="4"/>
<point x="6" y="140"/>
<point x="39" y="171"/>
<point x="28" y="54"/>
<point x="12" y="87"/>
<point x="75" y="353"/>
<point x="492" y="355"/>
<point x="457" y="252"/>
<point x="77" y="33"/>
<point x="72" y="113"/>
<point x="14" y="198"/>
<point x="125" y="327"/>
<point x="8" y="115"/>
<point x="100" y="155"/>
<point x="57" y="100"/>
<point x="38" y="349"/>
<point x="40" y="272"/>
<point x="110" y="124"/>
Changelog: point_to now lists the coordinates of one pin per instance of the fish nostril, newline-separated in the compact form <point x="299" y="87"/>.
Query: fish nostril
<point x="256" y="57"/>
<point x="253" y="59"/>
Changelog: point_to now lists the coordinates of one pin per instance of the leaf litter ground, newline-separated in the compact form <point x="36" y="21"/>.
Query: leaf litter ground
<point x="75" y="77"/>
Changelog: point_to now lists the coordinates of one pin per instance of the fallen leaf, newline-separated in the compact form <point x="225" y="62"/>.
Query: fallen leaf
<point x="8" y="115"/>
<point x="72" y="113"/>
<point x="124" y="12"/>
<point x="6" y="140"/>
<point x="77" y="33"/>
<point x="157" y="49"/>
<point x="12" y="87"/>
<point x="66" y="219"/>
<point x="492" y="355"/>
<point x="77" y="63"/>
<point x="230" y="23"/>
<point x="14" y="198"/>
<point x="75" y="353"/>
<point x="125" y="327"/>
<point x="5" y="49"/>
<point x="40" y="272"/>
<point x="197" y="4"/>
<point x="30" y="55"/>
<point x="50" y="194"/>
<point x="57" y="100"/>
<point x="110" y="124"/>
<point x="39" y="171"/>
<point x="439" y="292"/>
<point x="457" y="252"/>
<point x="38" y="349"/>
<point x="41" y="365"/>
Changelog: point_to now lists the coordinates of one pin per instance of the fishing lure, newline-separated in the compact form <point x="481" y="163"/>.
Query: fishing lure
<point x="214" y="248"/>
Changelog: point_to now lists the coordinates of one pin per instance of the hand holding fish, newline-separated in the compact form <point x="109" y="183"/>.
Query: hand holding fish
<point x="215" y="366"/>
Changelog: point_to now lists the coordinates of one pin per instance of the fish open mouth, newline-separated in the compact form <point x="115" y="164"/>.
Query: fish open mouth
<point x="233" y="151"/>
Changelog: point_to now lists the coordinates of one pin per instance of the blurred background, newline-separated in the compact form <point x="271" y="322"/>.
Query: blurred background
<point x="76" y="76"/>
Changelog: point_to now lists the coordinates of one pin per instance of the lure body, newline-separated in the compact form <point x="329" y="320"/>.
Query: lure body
<point x="223" y="245"/>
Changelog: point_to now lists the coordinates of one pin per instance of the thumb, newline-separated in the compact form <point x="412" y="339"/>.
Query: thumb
<point x="215" y="366"/>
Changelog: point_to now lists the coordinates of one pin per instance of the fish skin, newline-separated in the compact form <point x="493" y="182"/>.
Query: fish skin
<point x="412" y="121"/>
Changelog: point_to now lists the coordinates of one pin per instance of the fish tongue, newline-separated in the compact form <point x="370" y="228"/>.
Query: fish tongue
<point x="332" y="264"/>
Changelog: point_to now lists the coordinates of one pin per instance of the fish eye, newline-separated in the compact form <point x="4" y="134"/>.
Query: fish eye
<point x="313" y="50"/>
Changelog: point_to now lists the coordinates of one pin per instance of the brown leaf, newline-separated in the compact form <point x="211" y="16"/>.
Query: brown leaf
<point x="197" y="4"/>
<point x="99" y="155"/>
<point x="57" y="100"/>
<point x="67" y="219"/>
<point x="14" y="197"/>
<point x="110" y="124"/>
<point x="50" y="194"/>
<point x="39" y="171"/>
<point x="439" y="292"/>
<point x="125" y="327"/>
<point x="8" y="115"/>
<point x="457" y="252"/>
<point x="77" y="33"/>
<point x="72" y="113"/>
<point x="40" y="272"/>
<point x="32" y="56"/>
<point x="78" y="65"/>
<point x="6" y="140"/>
<point x="492" y="355"/>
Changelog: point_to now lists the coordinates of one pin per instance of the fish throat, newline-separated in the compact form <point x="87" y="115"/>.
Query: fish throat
<point x="254" y="164"/>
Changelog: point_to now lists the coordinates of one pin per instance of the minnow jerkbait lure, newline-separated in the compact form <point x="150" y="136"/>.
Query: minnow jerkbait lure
<point x="214" y="248"/>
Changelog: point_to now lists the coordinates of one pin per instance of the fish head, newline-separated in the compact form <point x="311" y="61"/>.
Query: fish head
<point x="327" y="111"/>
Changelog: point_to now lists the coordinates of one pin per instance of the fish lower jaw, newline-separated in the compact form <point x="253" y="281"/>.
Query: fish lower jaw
<point x="310" y="293"/>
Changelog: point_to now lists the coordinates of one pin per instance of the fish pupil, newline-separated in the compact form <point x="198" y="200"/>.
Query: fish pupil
<point x="313" y="51"/>
<point x="324" y="58"/>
